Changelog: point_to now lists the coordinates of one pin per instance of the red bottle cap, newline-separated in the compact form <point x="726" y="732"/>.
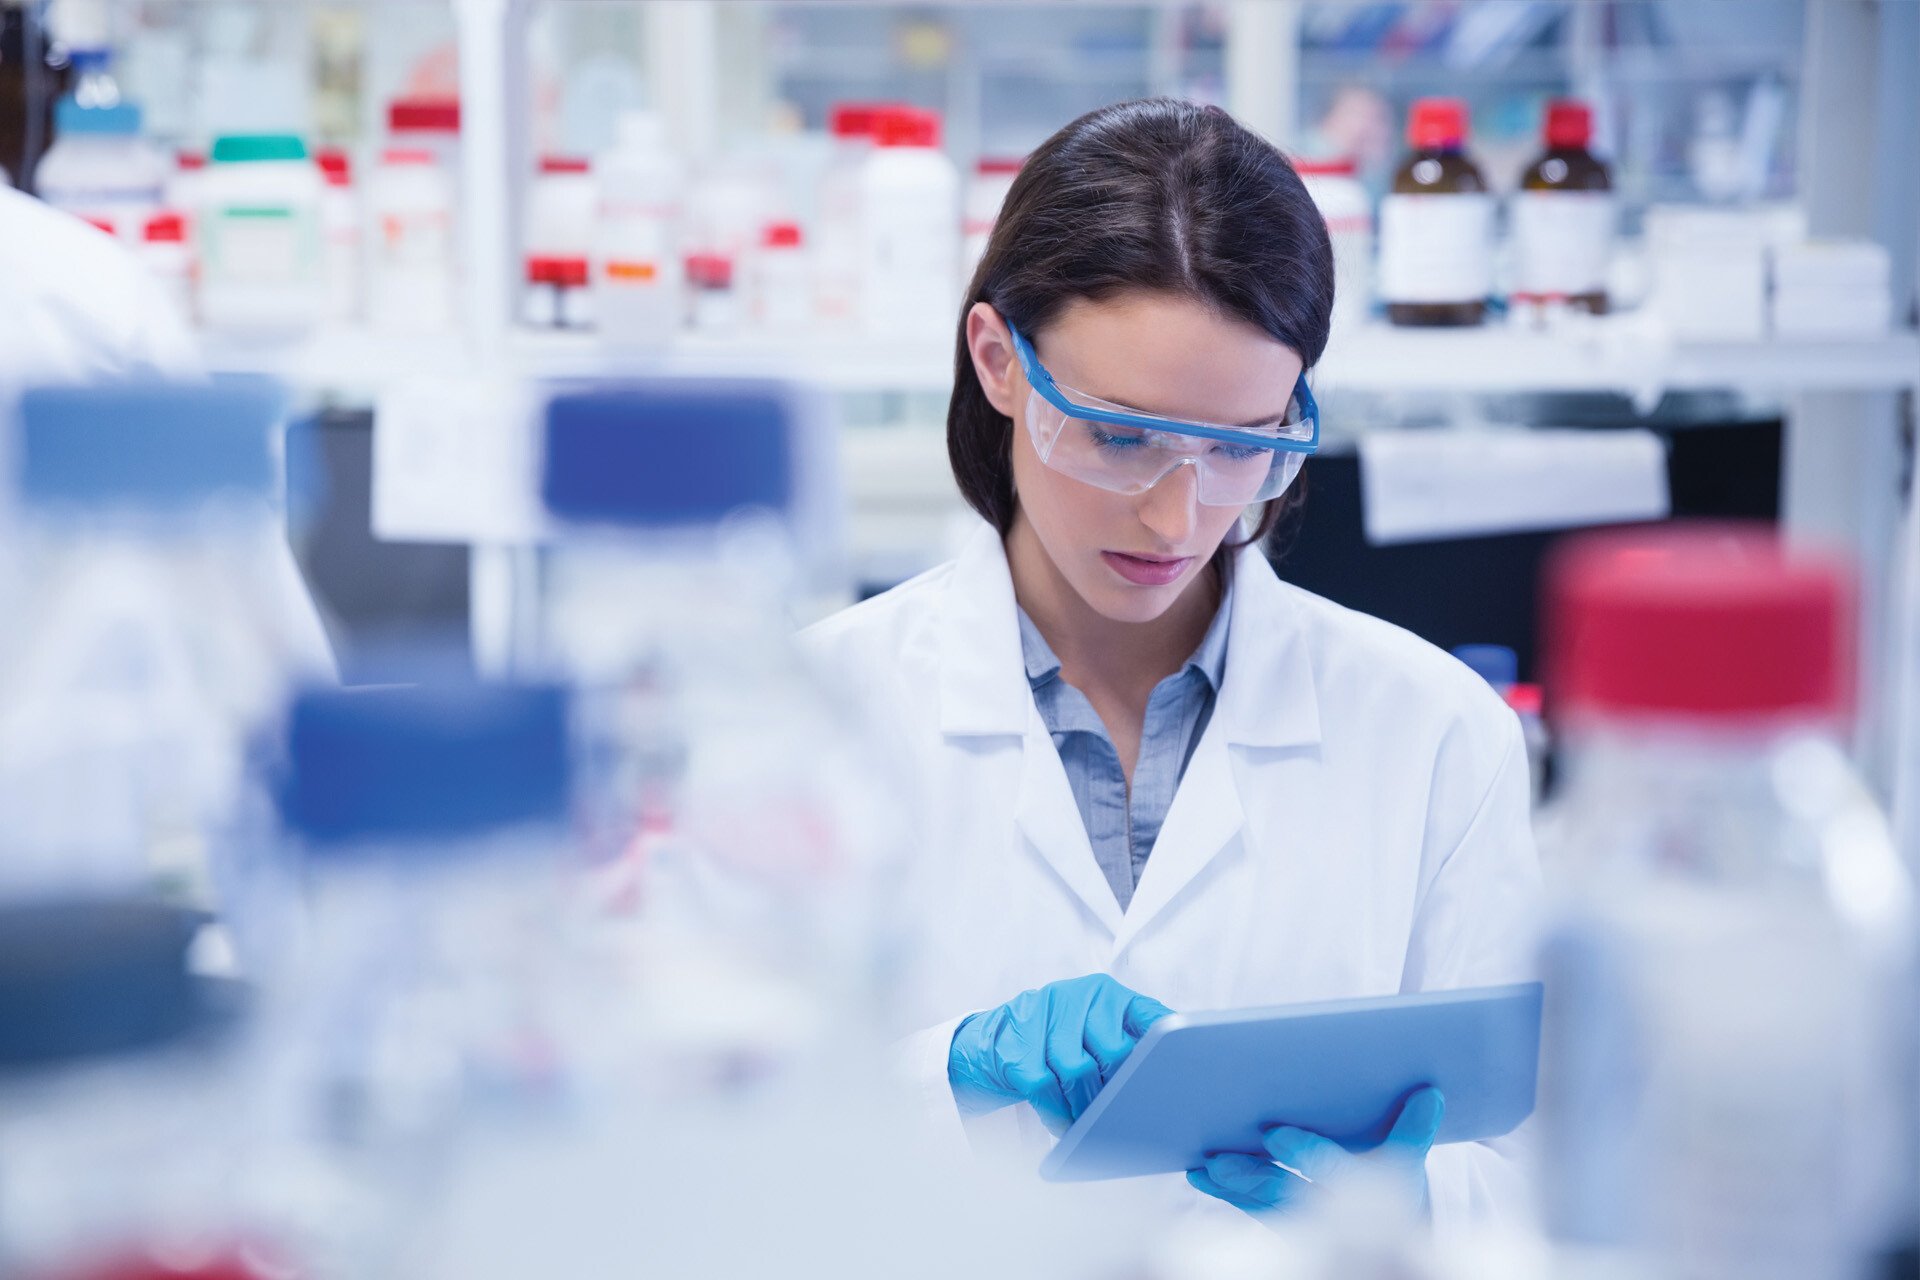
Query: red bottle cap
<point x="426" y="115"/>
<point x="165" y="228"/>
<point x="564" y="164"/>
<point x="1707" y="623"/>
<point x="1437" y="124"/>
<point x="907" y="127"/>
<point x="710" y="270"/>
<point x="335" y="167"/>
<point x="190" y="161"/>
<point x="1569" y="124"/>
<point x="854" y="119"/>
<point x="781" y="235"/>
<point x="567" y="272"/>
<point x="1525" y="699"/>
<point x="1326" y="167"/>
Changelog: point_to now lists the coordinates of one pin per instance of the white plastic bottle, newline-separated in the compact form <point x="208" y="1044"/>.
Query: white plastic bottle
<point x="410" y="283"/>
<point x="837" y="237"/>
<point x="783" y="292"/>
<point x="341" y="234"/>
<point x="1348" y="210"/>
<point x="167" y="255"/>
<point x="1726" y="1080"/>
<point x="637" y="269"/>
<point x="100" y="169"/>
<point x="561" y="208"/>
<point x="986" y="192"/>
<point x="261" y="269"/>
<point x="910" y="242"/>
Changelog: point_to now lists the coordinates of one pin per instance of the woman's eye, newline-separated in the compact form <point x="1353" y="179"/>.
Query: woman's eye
<point x="1115" y="440"/>
<point x="1238" y="452"/>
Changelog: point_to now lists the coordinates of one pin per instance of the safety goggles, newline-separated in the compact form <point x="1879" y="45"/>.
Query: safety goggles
<point x="1125" y="451"/>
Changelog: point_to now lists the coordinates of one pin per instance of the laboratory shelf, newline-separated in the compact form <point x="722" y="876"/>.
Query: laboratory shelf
<point x="1623" y="355"/>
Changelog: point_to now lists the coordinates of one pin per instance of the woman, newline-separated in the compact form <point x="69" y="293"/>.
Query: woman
<point x="1149" y="770"/>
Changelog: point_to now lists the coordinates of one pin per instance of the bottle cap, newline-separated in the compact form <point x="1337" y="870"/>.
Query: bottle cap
<point x="424" y="115"/>
<point x="710" y="270"/>
<point x="907" y="127"/>
<point x="407" y="765"/>
<point x="251" y="148"/>
<point x="1437" y="124"/>
<point x="335" y="166"/>
<point x="165" y="228"/>
<point x="623" y="456"/>
<point x="854" y="119"/>
<point x="781" y="235"/>
<point x="121" y="120"/>
<point x="1569" y="124"/>
<point x="1713" y="622"/>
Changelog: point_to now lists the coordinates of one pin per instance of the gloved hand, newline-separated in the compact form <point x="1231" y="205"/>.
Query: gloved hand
<point x="1054" y="1047"/>
<point x="1313" y="1164"/>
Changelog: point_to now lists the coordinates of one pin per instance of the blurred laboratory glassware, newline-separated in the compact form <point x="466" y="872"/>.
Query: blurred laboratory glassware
<point x="100" y="169"/>
<point x="258" y="228"/>
<point x="909" y="230"/>
<point x="638" y="268"/>
<point x="411" y="254"/>
<point x="154" y="631"/>
<point x="1727" y="1063"/>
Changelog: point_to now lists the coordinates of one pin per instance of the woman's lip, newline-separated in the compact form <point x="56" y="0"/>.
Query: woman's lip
<point x="1146" y="571"/>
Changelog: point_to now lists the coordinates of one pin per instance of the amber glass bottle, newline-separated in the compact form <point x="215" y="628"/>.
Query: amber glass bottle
<point x="1563" y="218"/>
<point x="1436" y="226"/>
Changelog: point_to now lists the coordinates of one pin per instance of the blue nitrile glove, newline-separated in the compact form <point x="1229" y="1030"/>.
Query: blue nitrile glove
<point x="1053" y="1046"/>
<point x="1267" y="1191"/>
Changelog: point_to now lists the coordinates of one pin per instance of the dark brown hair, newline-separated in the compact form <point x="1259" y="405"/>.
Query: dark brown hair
<point x="1155" y="194"/>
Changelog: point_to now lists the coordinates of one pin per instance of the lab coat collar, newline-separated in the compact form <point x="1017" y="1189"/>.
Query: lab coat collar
<point x="1266" y="696"/>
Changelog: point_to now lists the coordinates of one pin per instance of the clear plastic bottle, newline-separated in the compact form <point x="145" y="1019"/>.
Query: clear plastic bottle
<point x="261" y="269"/>
<point x="1727" y="1082"/>
<point x="986" y="191"/>
<point x="638" y="276"/>
<point x="341" y="236"/>
<point x="410" y="208"/>
<point x="430" y="993"/>
<point x="153" y="625"/>
<point x="1436" y="226"/>
<point x="783" y="280"/>
<point x="707" y="724"/>
<point x="169" y="258"/>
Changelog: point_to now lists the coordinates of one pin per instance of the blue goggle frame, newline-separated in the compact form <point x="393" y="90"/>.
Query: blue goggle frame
<point x="1049" y="390"/>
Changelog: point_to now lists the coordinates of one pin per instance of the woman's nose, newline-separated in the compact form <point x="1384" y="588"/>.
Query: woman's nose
<point x="1168" y="507"/>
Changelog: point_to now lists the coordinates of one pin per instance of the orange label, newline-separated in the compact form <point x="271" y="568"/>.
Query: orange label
<point x="636" y="272"/>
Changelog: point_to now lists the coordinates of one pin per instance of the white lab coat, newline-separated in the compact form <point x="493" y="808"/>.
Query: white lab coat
<point x="1353" y="822"/>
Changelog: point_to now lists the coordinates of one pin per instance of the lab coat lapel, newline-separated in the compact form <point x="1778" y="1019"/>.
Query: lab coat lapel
<point x="984" y="694"/>
<point x="1266" y="705"/>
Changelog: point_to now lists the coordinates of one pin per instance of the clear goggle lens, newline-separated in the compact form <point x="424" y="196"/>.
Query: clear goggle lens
<point x="1129" y="460"/>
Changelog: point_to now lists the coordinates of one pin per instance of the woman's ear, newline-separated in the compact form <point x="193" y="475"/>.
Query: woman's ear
<point x="994" y="362"/>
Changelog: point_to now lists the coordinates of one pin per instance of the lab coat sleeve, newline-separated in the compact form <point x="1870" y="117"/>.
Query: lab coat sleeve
<point x="1476" y="924"/>
<point x="919" y="1063"/>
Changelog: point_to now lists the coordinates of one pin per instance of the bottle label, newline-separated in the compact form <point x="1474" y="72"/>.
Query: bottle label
<point x="1561" y="242"/>
<point x="1436" y="248"/>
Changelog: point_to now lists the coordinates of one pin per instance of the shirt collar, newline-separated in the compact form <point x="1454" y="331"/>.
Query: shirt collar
<point x="1209" y="659"/>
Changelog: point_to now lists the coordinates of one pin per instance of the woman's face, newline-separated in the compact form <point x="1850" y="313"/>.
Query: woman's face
<point x="1130" y="556"/>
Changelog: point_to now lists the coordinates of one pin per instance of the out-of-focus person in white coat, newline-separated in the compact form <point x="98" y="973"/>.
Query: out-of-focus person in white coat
<point x="1149" y="773"/>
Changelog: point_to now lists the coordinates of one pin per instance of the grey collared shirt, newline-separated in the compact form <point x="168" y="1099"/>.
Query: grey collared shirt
<point x="1121" y="826"/>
